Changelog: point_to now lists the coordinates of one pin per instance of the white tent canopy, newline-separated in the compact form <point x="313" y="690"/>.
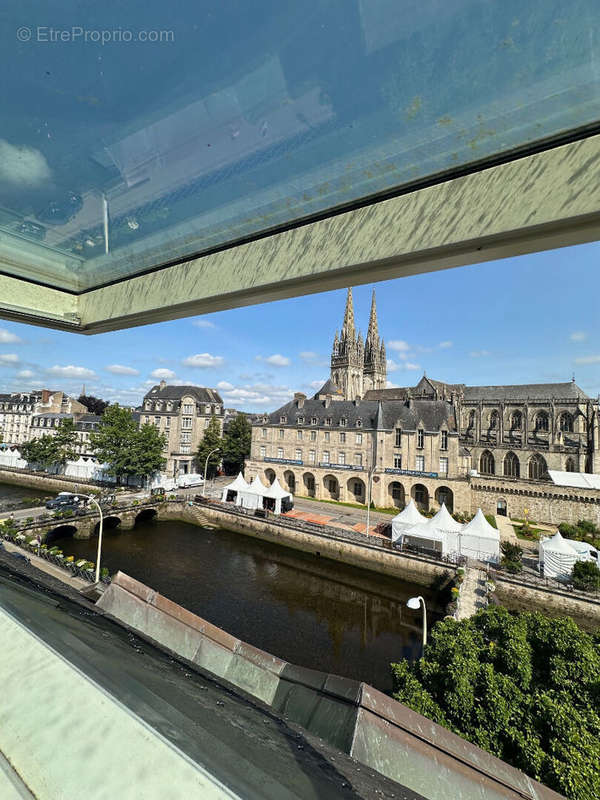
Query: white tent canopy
<point x="405" y="519"/>
<point x="444" y="521"/>
<point x="558" y="556"/>
<point x="478" y="539"/>
<point x="235" y="487"/>
<point x="252" y="496"/>
<point x="277" y="493"/>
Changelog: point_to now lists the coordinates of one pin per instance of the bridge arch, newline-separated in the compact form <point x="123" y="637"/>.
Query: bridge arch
<point x="109" y="523"/>
<point x="145" y="515"/>
<point x="60" y="532"/>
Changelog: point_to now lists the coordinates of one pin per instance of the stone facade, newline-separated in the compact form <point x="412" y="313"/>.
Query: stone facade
<point x="17" y="411"/>
<point x="85" y="424"/>
<point x="182" y="413"/>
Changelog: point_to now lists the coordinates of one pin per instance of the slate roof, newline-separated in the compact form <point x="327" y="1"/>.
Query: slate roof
<point x="372" y="414"/>
<point x="328" y="387"/>
<point x="524" y="391"/>
<point x="168" y="392"/>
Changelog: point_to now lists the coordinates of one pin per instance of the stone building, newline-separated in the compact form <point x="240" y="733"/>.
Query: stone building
<point x="48" y="424"/>
<point x="18" y="409"/>
<point x="429" y="441"/>
<point x="182" y="413"/>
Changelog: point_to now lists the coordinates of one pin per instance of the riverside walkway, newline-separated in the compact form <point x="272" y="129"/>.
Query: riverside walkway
<point x="473" y="594"/>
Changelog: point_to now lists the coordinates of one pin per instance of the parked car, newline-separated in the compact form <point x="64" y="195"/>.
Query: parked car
<point x="64" y="501"/>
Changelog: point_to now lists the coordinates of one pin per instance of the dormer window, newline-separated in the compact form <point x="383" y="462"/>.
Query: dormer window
<point x="300" y="420"/>
<point x="343" y="422"/>
<point x="328" y="421"/>
<point x="283" y="420"/>
<point x="148" y="405"/>
<point x="313" y="420"/>
<point x="169" y="406"/>
<point x="359" y="423"/>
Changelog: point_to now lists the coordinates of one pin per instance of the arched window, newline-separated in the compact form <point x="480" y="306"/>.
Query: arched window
<point x="570" y="465"/>
<point x="565" y="422"/>
<point x="487" y="465"/>
<point x="493" y="420"/>
<point x="516" y="421"/>
<point x="471" y="419"/>
<point x="541" y="421"/>
<point x="512" y="468"/>
<point x="537" y="468"/>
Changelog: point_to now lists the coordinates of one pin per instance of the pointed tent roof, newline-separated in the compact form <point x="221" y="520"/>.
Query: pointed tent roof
<point x="444" y="521"/>
<point x="410" y="515"/>
<point x="257" y="486"/>
<point x="276" y="490"/>
<point x="479" y="526"/>
<point x="556" y="544"/>
<point x="239" y="484"/>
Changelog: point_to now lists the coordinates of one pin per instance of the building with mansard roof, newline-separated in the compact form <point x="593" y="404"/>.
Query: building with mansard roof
<point x="429" y="441"/>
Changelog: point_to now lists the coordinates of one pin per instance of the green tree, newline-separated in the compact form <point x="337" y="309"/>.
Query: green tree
<point x="95" y="405"/>
<point x="114" y="443"/>
<point x="236" y="444"/>
<point x="586" y="576"/>
<point x="40" y="451"/>
<point x="522" y="686"/>
<point x="147" y="451"/>
<point x="512" y="556"/>
<point x="65" y="441"/>
<point x="210" y="441"/>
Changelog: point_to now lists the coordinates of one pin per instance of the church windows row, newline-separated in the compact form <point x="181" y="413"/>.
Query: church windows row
<point x="541" y="421"/>
<point x="537" y="468"/>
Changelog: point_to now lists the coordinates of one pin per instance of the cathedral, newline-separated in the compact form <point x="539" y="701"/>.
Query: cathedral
<point x="495" y="447"/>
<point x="357" y="366"/>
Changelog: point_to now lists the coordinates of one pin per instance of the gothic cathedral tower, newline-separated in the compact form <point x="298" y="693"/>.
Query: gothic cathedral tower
<point x="347" y="357"/>
<point x="375" y="367"/>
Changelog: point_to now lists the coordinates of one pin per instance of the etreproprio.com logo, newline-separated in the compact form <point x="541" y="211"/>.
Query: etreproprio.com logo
<point x="78" y="34"/>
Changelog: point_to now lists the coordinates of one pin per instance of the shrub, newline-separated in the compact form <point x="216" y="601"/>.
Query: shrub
<point x="522" y="686"/>
<point x="491" y="519"/>
<point x="568" y="531"/>
<point x="586" y="576"/>
<point x="588" y="527"/>
<point x="512" y="557"/>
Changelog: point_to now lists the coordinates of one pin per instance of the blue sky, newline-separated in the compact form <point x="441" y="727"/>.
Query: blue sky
<point x="519" y="320"/>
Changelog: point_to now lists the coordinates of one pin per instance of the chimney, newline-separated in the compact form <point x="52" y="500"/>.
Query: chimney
<point x="163" y="384"/>
<point x="327" y="400"/>
<point x="357" y="401"/>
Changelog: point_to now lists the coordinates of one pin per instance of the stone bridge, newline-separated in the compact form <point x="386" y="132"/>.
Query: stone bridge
<point x="86" y="525"/>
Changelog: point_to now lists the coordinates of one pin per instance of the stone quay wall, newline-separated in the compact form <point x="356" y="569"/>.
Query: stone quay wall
<point x="45" y="482"/>
<point x="545" y="502"/>
<point x="517" y="595"/>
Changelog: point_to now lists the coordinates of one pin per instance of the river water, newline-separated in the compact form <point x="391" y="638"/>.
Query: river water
<point x="17" y="494"/>
<point x="305" y="609"/>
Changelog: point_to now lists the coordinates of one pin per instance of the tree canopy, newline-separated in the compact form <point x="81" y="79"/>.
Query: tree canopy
<point x="210" y="441"/>
<point x="95" y="405"/>
<point x="521" y="686"/>
<point x="236" y="444"/>
<point x="126" y="449"/>
<point x="51" y="449"/>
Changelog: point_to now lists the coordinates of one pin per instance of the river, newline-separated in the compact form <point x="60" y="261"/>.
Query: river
<point x="305" y="609"/>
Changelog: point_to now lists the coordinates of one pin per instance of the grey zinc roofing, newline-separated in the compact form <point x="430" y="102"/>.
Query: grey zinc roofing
<point x="431" y="413"/>
<point x="524" y="391"/>
<point x="201" y="393"/>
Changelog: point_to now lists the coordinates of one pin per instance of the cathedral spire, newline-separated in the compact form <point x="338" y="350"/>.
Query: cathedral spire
<point x="373" y="333"/>
<point x="348" y="327"/>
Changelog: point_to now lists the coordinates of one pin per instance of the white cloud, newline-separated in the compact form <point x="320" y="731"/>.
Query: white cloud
<point x="203" y="323"/>
<point x="263" y="394"/>
<point x="224" y="385"/>
<point x="25" y="373"/>
<point x="390" y="385"/>
<point x="6" y="337"/>
<point x="588" y="360"/>
<point x="162" y="374"/>
<point x="409" y="365"/>
<point x="71" y="371"/>
<point x="479" y="353"/>
<point x="119" y="369"/>
<point x="445" y="345"/>
<point x="391" y="365"/>
<point x="22" y="166"/>
<point x="578" y="336"/>
<point x="276" y="360"/>
<point x="203" y="360"/>
<point x="9" y="358"/>
<point x="398" y="344"/>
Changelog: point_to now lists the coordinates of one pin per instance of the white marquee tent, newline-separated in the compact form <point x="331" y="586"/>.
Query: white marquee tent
<point x="478" y="539"/>
<point x="279" y="496"/>
<point x="252" y="496"/>
<point x="558" y="556"/>
<point x="408" y="517"/>
<point x="231" y="492"/>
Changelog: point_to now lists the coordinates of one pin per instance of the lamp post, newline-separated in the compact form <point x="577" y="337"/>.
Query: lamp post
<point x="93" y="500"/>
<point x="414" y="603"/>
<point x="206" y="469"/>
<point x="370" y="471"/>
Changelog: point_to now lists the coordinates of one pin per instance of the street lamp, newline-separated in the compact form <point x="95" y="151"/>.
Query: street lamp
<point x="414" y="603"/>
<point x="370" y="471"/>
<point x="206" y="469"/>
<point x="93" y="500"/>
